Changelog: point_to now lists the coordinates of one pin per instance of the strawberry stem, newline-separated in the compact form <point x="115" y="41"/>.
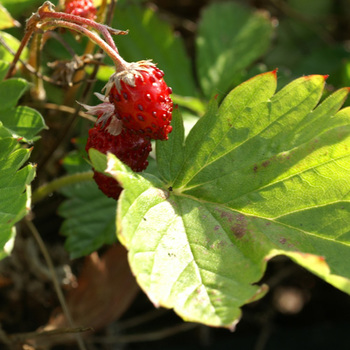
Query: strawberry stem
<point x="103" y="29"/>
<point x="48" y="25"/>
<point x="46" y="189"/>
<point x="46" y="18"/>
<point x="22" y="45"/>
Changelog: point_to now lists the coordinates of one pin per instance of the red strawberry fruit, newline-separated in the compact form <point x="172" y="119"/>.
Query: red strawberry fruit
<point x="132" y="149"/>
<point x="141" y="99"/>
<point x="82" y="8"/>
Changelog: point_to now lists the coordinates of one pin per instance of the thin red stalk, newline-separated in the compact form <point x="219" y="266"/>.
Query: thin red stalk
<point x="92" y="36"/>
<point x="23" y="44"/>
<point x="61" y="19"/>
<point x="105" y="31"/>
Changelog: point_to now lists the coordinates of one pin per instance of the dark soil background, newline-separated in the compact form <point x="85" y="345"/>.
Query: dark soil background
<point x="299" y="312"/>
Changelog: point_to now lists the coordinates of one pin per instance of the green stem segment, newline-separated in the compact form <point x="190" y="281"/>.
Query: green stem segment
<point x="56" y="184"/>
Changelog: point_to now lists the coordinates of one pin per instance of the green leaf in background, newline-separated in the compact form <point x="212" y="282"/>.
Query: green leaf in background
<point x="15" y="123"/>
<point x="4" y="66"/>
<point x="152" y="38"/>
<point x="22" y="7"/>
<point x="230" y="38"/>
<point x="170" y="153"/>
<point x="24" y="122"/>
<point x="89" y="215"/>
<point x="13" y="44"/>
<point x="315" y="9"/>
<point x="304" y="45"/>
<point x="21" y="121"/>
<point x="6" y="21"/>
<point x="194" y="104"/>
<point x="10" y="92"/>
<point x="14" y="198"/>
<point x="263" y="174"/>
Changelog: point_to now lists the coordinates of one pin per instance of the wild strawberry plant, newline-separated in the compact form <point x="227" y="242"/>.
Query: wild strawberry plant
<point x="263" y="172"/>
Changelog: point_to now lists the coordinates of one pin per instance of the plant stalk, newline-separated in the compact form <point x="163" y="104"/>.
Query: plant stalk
<point x="48" y="25"/>
<point x="55" y="281"/>
<point x="66" y="180"/>
<point x="46" y="18"/>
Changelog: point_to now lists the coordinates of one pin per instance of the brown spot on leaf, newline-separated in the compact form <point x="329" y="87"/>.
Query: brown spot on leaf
<point x="239" y="229"/>
<point x="266" y="163"/>
<point x="160" y="193"/>
<point x="228" y="215"/>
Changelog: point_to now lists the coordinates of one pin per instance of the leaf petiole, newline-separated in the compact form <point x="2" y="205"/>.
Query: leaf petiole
<point x="66" y="180"/>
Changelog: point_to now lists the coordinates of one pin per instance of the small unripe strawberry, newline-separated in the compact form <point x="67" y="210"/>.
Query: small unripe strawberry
<point x="142" y="99"/>
<point x="82" y="8"/>
<point x="132" y="149"/>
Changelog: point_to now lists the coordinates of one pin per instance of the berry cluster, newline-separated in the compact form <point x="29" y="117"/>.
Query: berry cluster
<point x="82" y="8"/>
<point x="135" y="109"/>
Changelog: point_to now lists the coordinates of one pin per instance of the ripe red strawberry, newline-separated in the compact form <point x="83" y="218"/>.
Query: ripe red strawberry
<point x="141" y="99"/>
<point x="109" y="186"/>
<point x="82" y="8"/>
<point x="132" y="149"/>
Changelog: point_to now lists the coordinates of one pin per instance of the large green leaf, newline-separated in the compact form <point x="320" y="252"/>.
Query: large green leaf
<point x="89" y="215"/>
<point x="264" y="174"/>
<point x="230" y="38"/>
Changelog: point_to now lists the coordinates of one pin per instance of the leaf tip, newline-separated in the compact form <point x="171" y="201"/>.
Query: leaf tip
<point x="233" y="325"/>
<point x="316" y="76"/>
<point x="274" y="72"/>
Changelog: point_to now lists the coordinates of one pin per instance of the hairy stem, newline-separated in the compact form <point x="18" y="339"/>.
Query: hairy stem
<point x="113" y="54"/>
<point x="103" y="29"/>
<point x="46" y="18"/>
<point x="23" y="44"/>
<point x="45" y="190"/>
<point x="37" y="90"/>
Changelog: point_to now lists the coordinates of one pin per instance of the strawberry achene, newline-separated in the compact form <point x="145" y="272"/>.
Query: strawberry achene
<point x="142" y="100"/>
